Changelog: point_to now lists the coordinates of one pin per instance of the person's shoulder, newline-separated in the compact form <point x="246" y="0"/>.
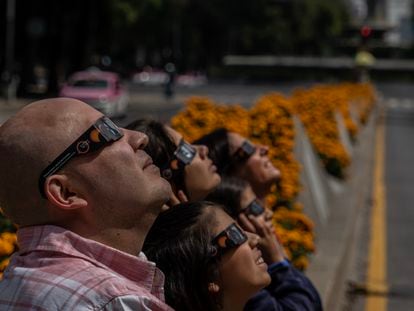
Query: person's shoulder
<point x="72" y="285"/>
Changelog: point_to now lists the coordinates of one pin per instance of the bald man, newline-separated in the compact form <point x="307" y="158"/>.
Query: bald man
<point x="84" y="194"/>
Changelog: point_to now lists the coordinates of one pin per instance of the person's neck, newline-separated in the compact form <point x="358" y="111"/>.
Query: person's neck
<point x="261" y="195"/>
<point x="261" y="190"/>
<point x="127" y="240"/>
<point x="126" y="235"/>
<point x="233" y="305"/>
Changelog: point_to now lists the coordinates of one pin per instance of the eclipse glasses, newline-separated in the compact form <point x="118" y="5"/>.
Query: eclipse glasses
<point x="254" y="208"/>
<point x="183" y="155"/>
<point x="100" y="134"/>
<point x="245" y="151"/>
<point x="229" y="238"/>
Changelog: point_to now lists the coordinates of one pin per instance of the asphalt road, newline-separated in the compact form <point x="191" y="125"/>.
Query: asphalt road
<point x="399" y="212"/>
<point x="399" y="178"/>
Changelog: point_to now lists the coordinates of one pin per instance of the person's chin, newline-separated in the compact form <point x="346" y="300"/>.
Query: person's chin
<point x="267" y="280"/>
<point x="271" y="171"/>
<point x="167" y="188"/>
<point x="164" y="189"/>
<point x="263" y="275"/>
<point x="273" y="176"/>
<point x="160" y="205"/>
<point x="152" y="170"/>
<point x="217" y="179"/>
<point x="262" y="280"/>
<point x="213" y="184"/>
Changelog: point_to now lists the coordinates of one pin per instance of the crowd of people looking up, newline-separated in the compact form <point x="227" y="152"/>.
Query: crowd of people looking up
<point x="137" y="218"/>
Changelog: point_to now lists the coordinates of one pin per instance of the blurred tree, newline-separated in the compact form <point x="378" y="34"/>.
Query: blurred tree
<point x="196" y="34"/>
<point x="68" y="35"/>
<point x="316" y="24"/>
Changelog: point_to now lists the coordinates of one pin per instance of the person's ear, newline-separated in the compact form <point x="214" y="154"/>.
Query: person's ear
<point x="59" y="191"/>
<point x="213" y="288"/>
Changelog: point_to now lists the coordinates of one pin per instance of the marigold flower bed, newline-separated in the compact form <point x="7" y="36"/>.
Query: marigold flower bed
<point x="8" y="243"/>
<point x="316" y="108"/>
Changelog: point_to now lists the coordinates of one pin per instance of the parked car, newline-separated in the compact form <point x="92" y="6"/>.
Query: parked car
<point x="100" y="89"/>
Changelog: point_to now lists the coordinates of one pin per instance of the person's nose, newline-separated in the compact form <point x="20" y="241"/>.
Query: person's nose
<point x="253" y="239"/>
<point x="268" y="214"/>
<point x="264" y="150"/>
<point x="137" y="140"/>
<point x="279" y="174"/>
<point x="202" y="151"/>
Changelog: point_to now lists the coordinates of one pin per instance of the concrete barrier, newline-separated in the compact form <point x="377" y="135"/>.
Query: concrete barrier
<point x="318" y="187"/>
<point x="353" y="111"/>
<point x="343" y="133"/>
<point x="315" y="192"/>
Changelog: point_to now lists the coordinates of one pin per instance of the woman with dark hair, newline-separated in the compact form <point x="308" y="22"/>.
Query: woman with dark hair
<point x="241" y="203"/>
<point x="188" y="168"/>
<point x="209" y="262"/>
<point x="290" y="289"/>
<point x="237" y="196"/>
<point x="236" y="156"/>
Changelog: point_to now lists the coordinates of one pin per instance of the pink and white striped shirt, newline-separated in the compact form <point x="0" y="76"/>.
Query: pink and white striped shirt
<point x="56" y="269"/>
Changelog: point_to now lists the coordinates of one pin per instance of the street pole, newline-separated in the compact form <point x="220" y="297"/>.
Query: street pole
<point x="9" y="57"/>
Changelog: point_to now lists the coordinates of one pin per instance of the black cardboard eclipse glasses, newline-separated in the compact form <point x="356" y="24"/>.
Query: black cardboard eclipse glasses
<point x="229" y="238"/>
<point x="101" y="133"/>
<point x="245" y="151"/>
<point x="183" y="155"/>
<point x="185" y="152"/>
<point x="254" y="208"/>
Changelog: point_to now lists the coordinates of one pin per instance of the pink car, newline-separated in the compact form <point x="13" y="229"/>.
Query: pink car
<point x="101" y="89"/>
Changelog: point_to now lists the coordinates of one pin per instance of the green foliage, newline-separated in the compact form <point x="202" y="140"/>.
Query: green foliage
<point x="317" y="23"/>
<point x="195" y="34"/>
<point x="199" y="33"/>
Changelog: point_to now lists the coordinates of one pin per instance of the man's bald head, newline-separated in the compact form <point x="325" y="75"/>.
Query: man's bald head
<point x="29" y="141"/>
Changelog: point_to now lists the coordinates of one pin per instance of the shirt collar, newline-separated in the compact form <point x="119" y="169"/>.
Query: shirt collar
<point x="57" y="239"/>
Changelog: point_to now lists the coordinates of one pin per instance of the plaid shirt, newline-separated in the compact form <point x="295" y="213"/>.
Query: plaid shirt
<point x="56" y="269"/>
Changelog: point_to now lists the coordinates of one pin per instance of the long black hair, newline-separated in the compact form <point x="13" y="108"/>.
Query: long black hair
<point x="219" y="150"/>
<point x="179" y="243"/>
<point x="160" y="148"/>
<point x="229" y="194"/>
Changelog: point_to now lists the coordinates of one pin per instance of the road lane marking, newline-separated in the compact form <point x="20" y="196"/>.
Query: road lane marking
<point x="377" y="263"/>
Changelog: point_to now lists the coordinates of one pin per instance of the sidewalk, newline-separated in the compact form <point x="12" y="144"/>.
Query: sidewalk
<point x="330" y="269"/>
